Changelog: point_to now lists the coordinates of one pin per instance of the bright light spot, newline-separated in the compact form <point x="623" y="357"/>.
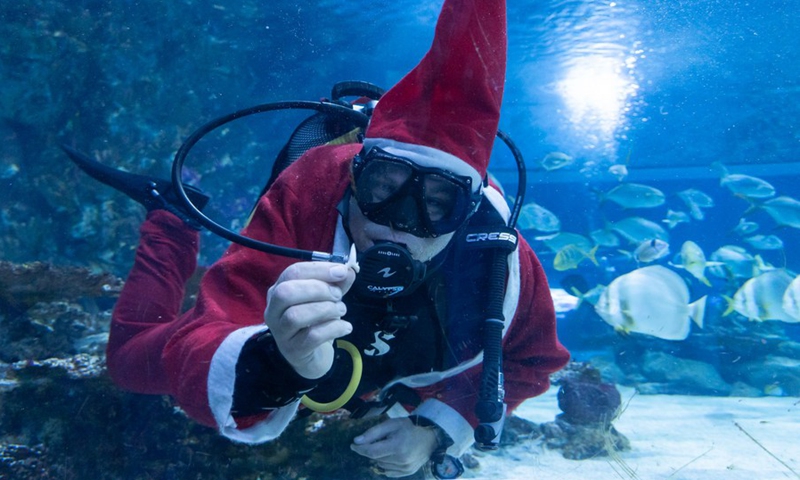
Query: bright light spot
<point x="596" y="92"/>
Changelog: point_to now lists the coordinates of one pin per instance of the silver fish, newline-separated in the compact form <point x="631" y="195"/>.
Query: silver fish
<point x="651" y="250"/>
<point x="637" y="229"/>
<point x="604" y="237"/>
<point x="761" y="297"/>
<point x="651" y="300"/>
<point x="745" y="227"/>
<point x="634" y="195"/>
<point x="675" y="217"/>
<point x="533" y="216"/>
<point x="784" y="210"/>
<point x="557" y="241"/>
<point x="765" y="242"/>
<point x="747" y="186"/>
<point x="556" y="160"/>
<point x="791" y="299"/>
<point x="735" y="262"/>
<point x="696" y="201"/>
<point x="619" y="171"/>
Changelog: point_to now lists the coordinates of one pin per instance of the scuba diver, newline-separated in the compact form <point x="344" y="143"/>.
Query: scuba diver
<point x="271" y="338"/>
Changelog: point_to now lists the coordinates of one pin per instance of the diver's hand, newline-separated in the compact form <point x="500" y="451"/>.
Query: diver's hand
<point x="304" y="313"/>
<point x="398" y="447"/>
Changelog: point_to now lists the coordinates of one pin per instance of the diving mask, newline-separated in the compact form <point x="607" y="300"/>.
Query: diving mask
<point x="425" y="202"/>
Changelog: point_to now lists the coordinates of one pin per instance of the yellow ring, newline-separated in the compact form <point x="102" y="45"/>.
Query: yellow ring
<point x="355" y="379"/>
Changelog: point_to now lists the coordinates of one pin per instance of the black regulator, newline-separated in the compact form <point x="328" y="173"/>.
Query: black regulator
<point x="387" y="270"/>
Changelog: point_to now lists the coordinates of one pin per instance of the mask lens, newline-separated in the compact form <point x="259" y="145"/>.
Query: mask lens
<point x="381" y="180"/>
<point x="440" y="197"/>
<point x="424" y="202"/>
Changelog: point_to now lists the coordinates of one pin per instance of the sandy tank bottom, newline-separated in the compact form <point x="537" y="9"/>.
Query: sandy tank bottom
<point x="672" y="437"/>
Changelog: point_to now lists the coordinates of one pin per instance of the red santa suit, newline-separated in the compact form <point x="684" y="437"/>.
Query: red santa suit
<point x="193" y="357"/>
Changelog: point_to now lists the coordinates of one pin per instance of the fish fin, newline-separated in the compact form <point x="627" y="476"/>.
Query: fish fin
<point x="626" y="253"/>
<point x="697" y="310"/>
<point x="720" y="168"/>
<point x="676" y="265"/>
<point x="704" y="280"/>
<point x="729" y="308"/>
<point x="592" y="253"/>
<point x="578" y="294"/>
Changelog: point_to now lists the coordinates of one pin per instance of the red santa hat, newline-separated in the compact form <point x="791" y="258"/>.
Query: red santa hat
<point x="444" y="113"/>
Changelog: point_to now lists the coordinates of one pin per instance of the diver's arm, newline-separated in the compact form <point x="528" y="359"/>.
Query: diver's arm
<point x="201" y="358"/>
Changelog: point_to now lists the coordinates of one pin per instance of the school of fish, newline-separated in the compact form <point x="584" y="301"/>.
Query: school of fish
<point x="653" y="297"/>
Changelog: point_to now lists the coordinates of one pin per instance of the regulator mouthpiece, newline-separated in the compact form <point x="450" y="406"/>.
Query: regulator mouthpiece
<point x="388" y="270"/>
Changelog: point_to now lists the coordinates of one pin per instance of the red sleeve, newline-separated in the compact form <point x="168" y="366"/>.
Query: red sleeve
<point x="233" y="292"/>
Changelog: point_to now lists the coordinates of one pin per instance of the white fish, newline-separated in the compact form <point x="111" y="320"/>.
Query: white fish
<point x="697" y="197"/>
<point x="634" y="195"/>
<point x="557" y="241"/>
<point x="533" y="216"/>
<point x="745" y="227"/>
<point x="675" y="217"/>
<point x="765" y="242"/>
<point x="556" y="160"/>
<point x="650" y="300"/>
<point x="637" y="229"/>
<point x="791" y="299"/>
<point x="604" y="238"/>
<point x="761" y="265"/>
<point x="619" y="171"/>
<point x="696" y="201"/>
<point x="694" y="261"/>
<point x="735" y="262"/>
<point x="592" y="296"/>
<point x="784" y="210"/>
<point x="747" y="186"/>
<point x="761" y="297"/>
<point x="651" y="250"/>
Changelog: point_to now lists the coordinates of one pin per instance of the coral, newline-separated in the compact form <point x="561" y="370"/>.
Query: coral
<point x="584" y="397"/>
<point x="22" y="462"/>
<point x="517" y="430"/>
<point x="24" y="285"/>
<point x="589" y="405"/>
<point x="586" y="402"/>
<point x="87" y="428"/>
<point x="579" y="442"/>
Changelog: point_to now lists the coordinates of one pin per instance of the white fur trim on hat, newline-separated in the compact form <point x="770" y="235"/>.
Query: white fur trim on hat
<point x="427" y="157"/>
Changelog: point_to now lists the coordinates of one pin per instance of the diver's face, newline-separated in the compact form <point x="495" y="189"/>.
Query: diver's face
<point x="365" y="233"/>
